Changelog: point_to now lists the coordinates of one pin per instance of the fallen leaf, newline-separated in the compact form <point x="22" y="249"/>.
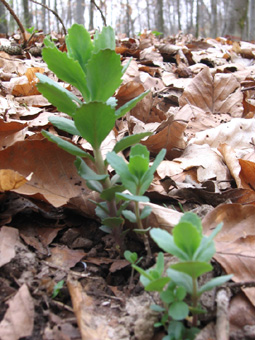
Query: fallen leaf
<point x="62" y="256"/>
<point x="10" y="180"/>
<point x="18" y="321"/>
<point x="9" y="241"/>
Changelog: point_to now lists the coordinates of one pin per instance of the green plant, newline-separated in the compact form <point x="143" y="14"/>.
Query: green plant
<point x="94" y="68"/>
<point x="58" y="286"/>
<point x="133" y="259"/>
<point x="136" y="176"/>
<point x="194" y="251"/>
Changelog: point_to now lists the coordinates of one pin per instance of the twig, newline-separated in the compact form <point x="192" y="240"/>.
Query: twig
<point x="22" y="29"/>
<point x="97" y="7"/>
<point x="52" y="11"/>
<point x="222" y="321"/>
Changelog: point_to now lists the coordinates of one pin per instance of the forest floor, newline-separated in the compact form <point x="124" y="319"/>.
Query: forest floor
<point x="60" y="277"/>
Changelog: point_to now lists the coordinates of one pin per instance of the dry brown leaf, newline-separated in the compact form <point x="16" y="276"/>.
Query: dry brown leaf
<point x="231" y="161"/>
<point x="10" y="180"/>
<point x="11" y="132"/>
<point x="171" y="138"/>
<point x="9" y="241"/>
<point x="220" y="94"/>
<point x="247" y="174"/>
<point x="55" y="176"/>
<point x="92" y="325"/>
<point x="238" y="133"/>
<point x="64" y="257"/>
<point x="209" y="164"/>
<point x="235" y="243"/>
<point x="18" y="321"/>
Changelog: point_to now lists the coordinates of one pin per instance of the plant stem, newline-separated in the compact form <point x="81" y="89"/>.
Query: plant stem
<point x="102" y="170"/>
<point x="140" y="226"/>
<point x="194" y="301"/>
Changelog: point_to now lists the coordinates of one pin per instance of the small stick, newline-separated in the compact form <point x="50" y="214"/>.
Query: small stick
<point x="52" y="11"/>
<point x="222" y="320"/>
<point x="97" y="7"/>
<point x="22" y="29"/>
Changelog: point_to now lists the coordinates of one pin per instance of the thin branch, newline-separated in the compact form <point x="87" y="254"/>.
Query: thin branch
<point x="22" y="29"/>
<point x="97" y="7"/>
<point x="52" y="11"/>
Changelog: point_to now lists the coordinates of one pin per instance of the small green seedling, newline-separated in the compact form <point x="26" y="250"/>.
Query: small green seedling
<point x="94" y="68"/>
<point x="194" y="251"/>
<point x="136" y="176"/>
<point x="58" y="286"/>
<point x="133" y="259"/>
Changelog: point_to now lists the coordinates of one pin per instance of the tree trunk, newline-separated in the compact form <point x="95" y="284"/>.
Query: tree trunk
<point x="252" y="20"/>
<point x="91" y="15"/>
<point x="214" y="23"/>
<point x="198" y="19"/>
<point x="3" y="21"/>
<point x="148" y="14"/>
<point x="159" y="16"/>
<point x="236" y="21"/>
<point x="27" y="15"/>
<point x="179" y="15"/>
<point x="79" y="13"/>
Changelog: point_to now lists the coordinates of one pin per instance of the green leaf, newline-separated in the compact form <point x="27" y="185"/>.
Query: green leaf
<point x="103" y="75"/>
<point x="144" y="273"/>
<point x="217" y="281"/>
<point x="167" y="296"/>
<point x="145" y="212"/>
<point x="129" y="105"/>
<point x="121" y="168"/>
<point x="86" y="172"/>
<point x="57" y="288"/>
<point x="129" y="215"/>
<point x="181" y="279"/>
<point x="141" y="231"/>
<point x="125" y="67"/>
<point x="113" y="222"/>
<point x="148" y="176"/>
<point x="109" y="194"/>
<point x="64" y="100"/>
<point x="134" y="198"/>
<point x="67" y="146"/>
<point x="94" y="120"/>
<point x="157" y="285"/>
<point x="139" y="160"/>
<point x="178" y="310"/>
<point x="64" y="124"/>
<point x="191" y="268"/>
<point x="126" y="142"/>
<point x="79" y="45"/>
<point x="94" y="185"/>
<point x="193" y="219"/>
<point x="205" y="251"/>
<point x="187" y="238"/>
<point x="104" y="40"/>
<point x="130" y="257"/>
<point x="105" y="229"/>
<point x="160" y="264"/>
<point x="165" y="241"/>
<point x="176" y="329"/>
<point x="157" y="308"/>
<point x="66" y="69"/>
<point x="180" y="293"/>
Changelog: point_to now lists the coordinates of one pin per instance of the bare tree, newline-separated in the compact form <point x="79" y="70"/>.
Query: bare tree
<point x="236" y="19"/>
<point x="27" y="14"/>
<point x="159" y="22"/>
<point x="79" y="11"/>
<point x="214" y="21"/>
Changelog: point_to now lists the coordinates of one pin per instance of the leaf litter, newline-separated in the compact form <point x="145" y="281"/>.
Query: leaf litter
<point x="201" y="109"/>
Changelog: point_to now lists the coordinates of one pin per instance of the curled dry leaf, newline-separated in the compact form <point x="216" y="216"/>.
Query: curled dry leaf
<point x="18" y="321"/>
<point x="10" y="180"/>
<point x="220" y="94"/>
<point x="235" y="243"/>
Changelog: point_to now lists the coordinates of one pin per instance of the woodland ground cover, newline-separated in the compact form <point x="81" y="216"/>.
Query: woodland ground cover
<point x="200" y="109"/>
